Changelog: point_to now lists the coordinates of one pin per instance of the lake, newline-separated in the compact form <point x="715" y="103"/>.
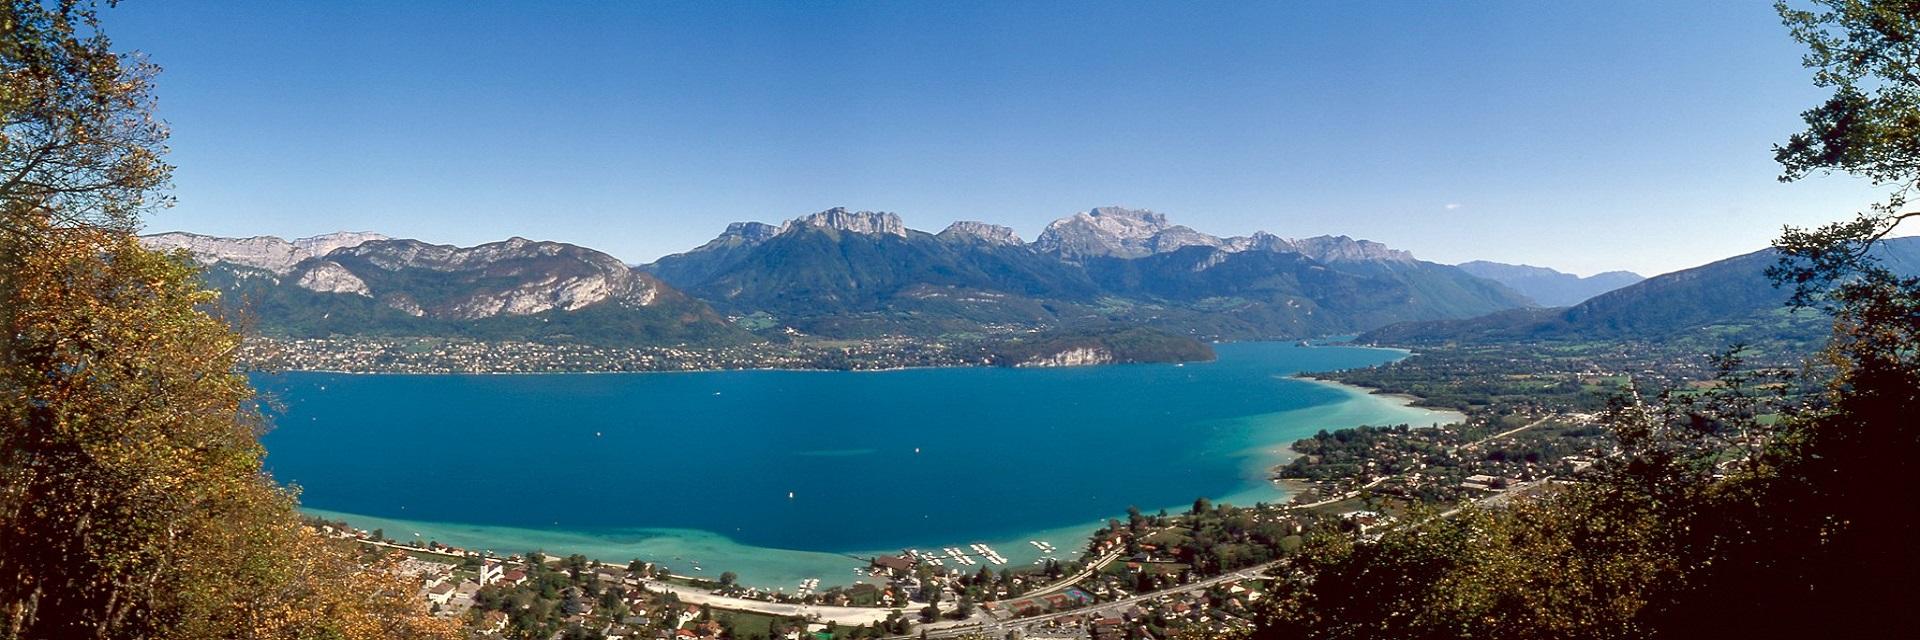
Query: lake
<point x="781" y="475"/>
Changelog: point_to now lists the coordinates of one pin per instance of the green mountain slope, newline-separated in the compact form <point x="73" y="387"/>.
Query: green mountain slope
<point x="514" y="290"/>
<point x="1731" y="300"/>
<point x="837" y="282"/>
<point x="844" y="273"/>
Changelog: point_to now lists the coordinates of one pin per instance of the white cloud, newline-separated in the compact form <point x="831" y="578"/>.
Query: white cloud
<point x="1453" y="205"/>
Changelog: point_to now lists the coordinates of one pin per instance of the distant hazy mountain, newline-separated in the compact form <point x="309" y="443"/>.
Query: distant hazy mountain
<point x="1719" y="303"/>
<point x="363" y="284"/>
<point x="842" y="273"/>
<point x="1548" y="287"/>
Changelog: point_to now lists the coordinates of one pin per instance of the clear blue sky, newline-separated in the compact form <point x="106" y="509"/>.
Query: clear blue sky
<point x="1583" y="136"/>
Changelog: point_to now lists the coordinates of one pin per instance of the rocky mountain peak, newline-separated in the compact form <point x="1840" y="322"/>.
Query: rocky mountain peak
<point x="981" y="231"/>
<point x="1259" y="241"/>
<point x="841" y="219"/>
<point x="1117" y="232"/>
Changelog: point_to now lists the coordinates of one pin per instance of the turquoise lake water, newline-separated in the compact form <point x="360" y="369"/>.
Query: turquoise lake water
<point x="697" y="468"/>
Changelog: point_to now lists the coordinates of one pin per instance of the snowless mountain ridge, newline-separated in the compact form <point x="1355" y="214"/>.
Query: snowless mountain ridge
<point x="509" y="278"/>
<point x="261" y="252"/>
<point x="1115" y="232"/>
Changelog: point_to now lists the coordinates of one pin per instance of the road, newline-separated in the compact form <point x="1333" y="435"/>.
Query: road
<point x="1506" y="433"/>
<point x="1500" y="499"/>
<point x="842" y="615"/>
<point x="856" y="616"/>
<point x="1083" y="574"/>
<point x="995" y="628"/>
<point x="696" y="595"/>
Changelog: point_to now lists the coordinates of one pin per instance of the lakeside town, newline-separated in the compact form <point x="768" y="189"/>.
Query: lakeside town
<point x="998" y="345"/>
<point x="451" y="355"/>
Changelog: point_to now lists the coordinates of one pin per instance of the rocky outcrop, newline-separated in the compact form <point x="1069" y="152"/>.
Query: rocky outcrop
<point x="329" y="277"/>
<point x="544" y="295"/>
<point x="404" y="303"/>
<point x="747" y="232"/>
<point x="260" y="252"/>
<point x="1074" y="357"/>
<point x="1259" y="241"/>
<point x="981" y="232"/>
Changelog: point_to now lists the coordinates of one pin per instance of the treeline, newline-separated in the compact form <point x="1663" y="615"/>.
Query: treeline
<point x="1345" y="453"/>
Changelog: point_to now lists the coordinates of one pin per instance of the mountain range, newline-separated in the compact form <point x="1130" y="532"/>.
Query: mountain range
<point x="844" y="274"/>
<point x="852" y="273"/>
<point x="368" y="284"/>
<point x="1710" y="306"/>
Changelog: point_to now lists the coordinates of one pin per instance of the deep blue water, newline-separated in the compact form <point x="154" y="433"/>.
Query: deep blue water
<point x="999" y="451"/>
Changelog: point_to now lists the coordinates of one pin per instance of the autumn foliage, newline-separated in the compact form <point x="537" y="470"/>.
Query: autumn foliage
<point x="132" y="499"/>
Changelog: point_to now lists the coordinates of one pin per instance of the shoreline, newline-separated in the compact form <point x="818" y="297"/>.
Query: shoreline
<point x="1404" y="399"/>
<point x="768" y="369"/>
<point x="718" y="370"/>
<point x="324" y="355"/>
<point x="1280" y="454"/>
<point x="1293" y="486"/>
